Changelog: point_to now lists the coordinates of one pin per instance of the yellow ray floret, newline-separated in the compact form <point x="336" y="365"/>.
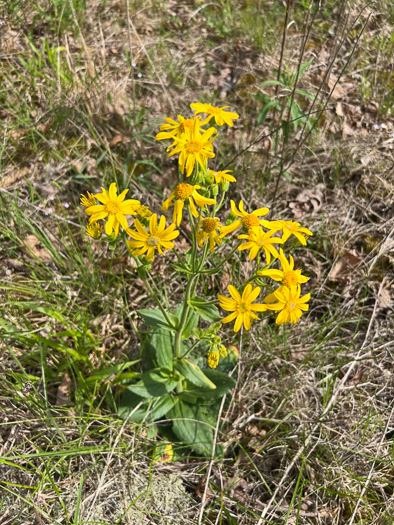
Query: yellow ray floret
<point x="287" y="275"/>
<point x="158" y="238"/>
<point x="206" y="229"/>
<point x="290" y="304"/>
<point x="289" y="228"/>
<point x="242" y="307"/>
<point x="94" y="230"/>
<point x="172" y="129"/>
<point x="213" y="358"/>
<point x="258" y="239"/>
<point x="194" y="147"/>
<point x="247" y="220"/>
<point x="222" y="176"/>
<point x="221" y="117"/>
<point x="113" y="206"/>
<point x="88" y="201"/>
<point x="186" y="193"/>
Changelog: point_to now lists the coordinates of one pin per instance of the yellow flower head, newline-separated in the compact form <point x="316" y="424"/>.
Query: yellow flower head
<point x="242" y="308"/>
<point x="158" y="238"/>
<point x="186" y="192"/>
<point x="167" y="454"/>
<point x="222" y="351"/>
<point x="287" y="276"/>
<point x="172" y="129"/>
<point x="221" y="116"/>
<point x="193" y="147"/>
<point x="143" y="211"/>
<point x="258" y="239"/>
<point x="114" y="207"/>
<point x="222" y="176"/>
<point x="94" y="230"/>
<point x="207" y="229"/>
<point x="290" y="304"/>
<point x="293" y="228"/>
<point x="247" y="220"/>
<point x="213" y="358"/>
<point x="88" y="201"/>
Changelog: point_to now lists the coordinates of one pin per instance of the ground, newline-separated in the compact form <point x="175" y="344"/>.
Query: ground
<point x="307" y="433"/>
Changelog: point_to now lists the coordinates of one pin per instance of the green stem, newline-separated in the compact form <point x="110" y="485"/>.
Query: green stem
<point x="155" y="297"/>
<point x="185" y="311"/>
<point x="217" y="268"/>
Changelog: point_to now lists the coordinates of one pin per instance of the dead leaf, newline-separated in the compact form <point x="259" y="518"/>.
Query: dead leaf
<point x="32" y="243"/>
<point x="384" y="298"/>
<point x="307" y="201"/>
<point x="346" y="268"/>
<point x="339" y="110"/>
<point x="63" y="391"/>
<point x="118" y="139"/>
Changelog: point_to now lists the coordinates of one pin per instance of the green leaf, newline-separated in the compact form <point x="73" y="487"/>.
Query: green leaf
<point x="155" y="317"/>
<point x="191" y="321"/>
<point x="305" y="93"/>
<point x="163" y="405"/>
<point x="112" y="370"/>
<point x="194" y="374"/>
<point x="272" y="83"/>
<point x="224" y="384"/>
<point x="182" y="268"/>
<point x="130" y="402"/>
<point x="263" y="113"/>
<point x="154" y="384"/>
<point x="304" y="67"/>
<point x="192" y="426"/>
<point x="205" y="309"/>
<point x="160" y="345"/>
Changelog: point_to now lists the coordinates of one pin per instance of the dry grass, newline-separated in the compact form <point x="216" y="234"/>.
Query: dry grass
<point x="308" y="432"/>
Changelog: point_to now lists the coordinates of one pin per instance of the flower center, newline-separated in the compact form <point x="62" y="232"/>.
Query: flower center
<point x="208" y="225"/>
<point x="292" y="306"/>
<point x="250" y="221"/>
<point x="292" y="226"/>
<point x="113" y="207"/>
<point x="289" y="279"/>
<point x="183" y="191"/>
<point x="188" y="123"/>
<point x="153" y="241"/>
<point x="243" y="308"/>
<point x="193" y="147"/>
<point x="214" y="111"/>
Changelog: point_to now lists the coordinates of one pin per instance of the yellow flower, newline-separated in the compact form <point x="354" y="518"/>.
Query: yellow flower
<point x="143" y="211"/>
<point x="241" y="307"/>
<point x="221" y="116"/>
<point x="259" y="239"/>
<point x="167" y="454"/>
<point x="221" y="176"/>
<point x="114" y="207"/>
<point x="207" y="229"/>
<point x="186" y="192"/>
<point x="88" y="201"/>
<point x="159" y="237"/>
<point x="222" y="351"/>
<point x="94" y="230"/>
<point x="292" y="228"/>
<point x="213" y="359"/>
<point x="290" y="304"/>
<point x="193" y="147"/>
<point x="287" y="276"/>
<point x="172" y="129"/>
<point x="248" y="220"/>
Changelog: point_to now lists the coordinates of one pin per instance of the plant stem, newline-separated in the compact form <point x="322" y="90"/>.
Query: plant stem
<point x="185" y="311"/>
